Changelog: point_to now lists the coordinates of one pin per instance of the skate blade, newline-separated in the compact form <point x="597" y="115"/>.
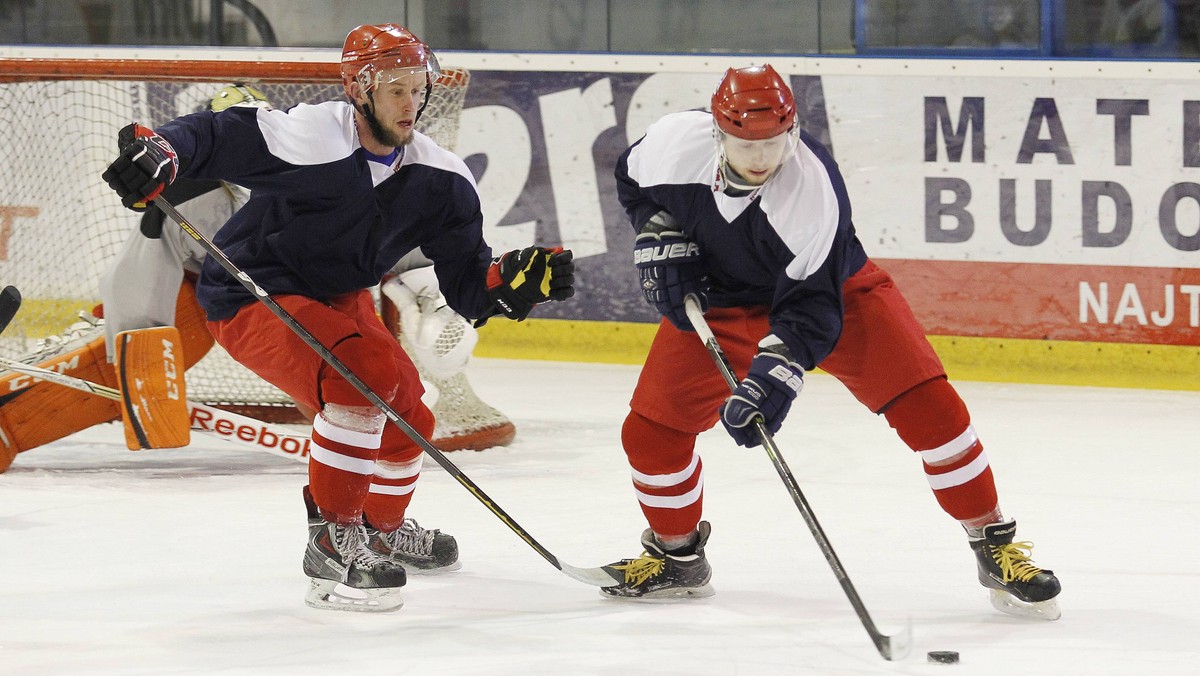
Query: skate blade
<point x="330" y="595"/>
<point x="666" y="595"/>
<point x="1007" y="603"/>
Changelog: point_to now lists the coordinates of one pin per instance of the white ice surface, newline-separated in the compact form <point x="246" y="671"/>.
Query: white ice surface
<point x="187" y="561"/>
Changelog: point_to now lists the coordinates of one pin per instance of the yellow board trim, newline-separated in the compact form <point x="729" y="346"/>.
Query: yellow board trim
<point x="42" y="317"/>
<point x="1010" y="360"/>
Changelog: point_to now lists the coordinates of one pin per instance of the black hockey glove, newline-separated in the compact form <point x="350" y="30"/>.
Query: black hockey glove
<point x="766" y="393"/>
<point x="146" y="165"/>
<point x="522" y="278"/>
<point x="670" y="269"/>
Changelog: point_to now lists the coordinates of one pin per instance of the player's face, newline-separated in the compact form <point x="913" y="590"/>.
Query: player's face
<point x="755" y="161"/>
<point x="398" y="97"/>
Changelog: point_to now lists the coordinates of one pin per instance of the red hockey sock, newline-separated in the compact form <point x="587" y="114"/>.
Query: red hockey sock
<point x="933" y="421"/>
<point x="668" y="475"/>
<point x="397" y="471"/>
<point x="340" y="466"/>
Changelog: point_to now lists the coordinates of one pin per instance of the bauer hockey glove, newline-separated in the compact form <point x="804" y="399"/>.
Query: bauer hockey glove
<point x="146" y="165"/>
<point x="522" y="278"/>
<point x="766" y="393"/>
<point x="670" y="269"/>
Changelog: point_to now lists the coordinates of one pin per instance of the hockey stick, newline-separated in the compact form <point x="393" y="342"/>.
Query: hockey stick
<point x="599" y="576"/>
<point x="890" y="647"/>
<point x="10" y="302"/>
<point x="213" y="421"/>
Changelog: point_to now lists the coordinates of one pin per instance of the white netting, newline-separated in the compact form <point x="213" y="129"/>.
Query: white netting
<point x="60" y="224"/>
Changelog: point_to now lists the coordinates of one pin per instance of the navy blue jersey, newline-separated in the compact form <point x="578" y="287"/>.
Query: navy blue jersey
<point x="788" y="245"/>
<point x="325" y="217"/>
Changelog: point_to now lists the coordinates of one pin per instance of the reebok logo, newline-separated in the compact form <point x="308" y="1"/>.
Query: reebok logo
<point x="211" y="421"/>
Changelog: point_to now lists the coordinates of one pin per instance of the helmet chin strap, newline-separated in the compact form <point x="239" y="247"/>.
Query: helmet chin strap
<point x="737" y="181"/>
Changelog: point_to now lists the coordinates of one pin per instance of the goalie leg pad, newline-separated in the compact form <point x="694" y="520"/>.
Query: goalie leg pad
<point x="33" y="412"/>
<point x="154" y="408"/>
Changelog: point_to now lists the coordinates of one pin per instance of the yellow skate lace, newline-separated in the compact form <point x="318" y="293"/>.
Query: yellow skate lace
<point x="1013" y="560"/>
<point x="640" y="569"/>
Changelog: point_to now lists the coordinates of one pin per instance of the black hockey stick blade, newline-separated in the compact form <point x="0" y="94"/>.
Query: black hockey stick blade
<point x="10" y="302"/>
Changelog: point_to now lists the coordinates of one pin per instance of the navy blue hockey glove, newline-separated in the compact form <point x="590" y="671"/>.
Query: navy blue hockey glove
<point x="520" y="279"/>
<point x="146" y="165"/>
<point x="670" y="269"/>
<point x="766" y="393"/>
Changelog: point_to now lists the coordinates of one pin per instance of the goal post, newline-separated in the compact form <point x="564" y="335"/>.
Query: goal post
<point x="61" y="225"/>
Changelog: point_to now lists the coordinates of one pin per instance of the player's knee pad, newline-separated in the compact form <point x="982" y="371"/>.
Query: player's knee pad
<point x="375" y="367"/>
<point x="652" y="446"/>
<point x="929" y="415"/>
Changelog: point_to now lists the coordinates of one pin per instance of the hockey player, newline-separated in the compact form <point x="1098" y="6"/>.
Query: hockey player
<point x="340" y="191"/>
<point x="139" y="290"/>
<point x="757" y="225"/>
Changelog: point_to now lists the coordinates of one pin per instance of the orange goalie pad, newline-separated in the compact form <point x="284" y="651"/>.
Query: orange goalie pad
<point x="33" y="413"/>
<point x="153" y="397"/>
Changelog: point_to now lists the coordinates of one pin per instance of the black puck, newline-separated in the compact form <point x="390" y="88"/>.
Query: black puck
<point x="943" y="657"/>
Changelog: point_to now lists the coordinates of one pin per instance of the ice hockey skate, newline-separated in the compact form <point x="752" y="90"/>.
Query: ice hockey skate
<point x="1017" y="586"/>
<point x="417" y="549"/>
<point x="658" y="574"/>
<point x="345" y="574"/>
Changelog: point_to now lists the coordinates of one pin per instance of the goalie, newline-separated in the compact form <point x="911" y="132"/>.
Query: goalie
<point x="137" y="294"/>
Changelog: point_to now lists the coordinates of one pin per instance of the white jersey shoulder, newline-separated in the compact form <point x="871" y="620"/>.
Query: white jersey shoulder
<point x="310" y="134"/>
<point x="802" y="207"/>
<point x="423" y="150"/>
<point x="677" y="149"/>
<point x="799" y="202"/>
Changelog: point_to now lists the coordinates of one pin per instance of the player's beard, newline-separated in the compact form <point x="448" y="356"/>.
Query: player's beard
<point x="387" y="137"/>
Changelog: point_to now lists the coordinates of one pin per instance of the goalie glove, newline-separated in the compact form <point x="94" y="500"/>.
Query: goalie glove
<point x="670" y="269"/>
<point x="766" y="393"/>
<point x="440" y="341"/>
<point x="522" y="278"/>
<point x="146" y="165"/>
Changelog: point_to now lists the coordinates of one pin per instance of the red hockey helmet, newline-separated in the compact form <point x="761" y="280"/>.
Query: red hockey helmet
<point x="753" y="103"/>
<point x="373" y="51"/>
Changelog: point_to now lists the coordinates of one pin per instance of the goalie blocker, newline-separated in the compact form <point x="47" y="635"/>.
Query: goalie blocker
<point x="34" y="413"/>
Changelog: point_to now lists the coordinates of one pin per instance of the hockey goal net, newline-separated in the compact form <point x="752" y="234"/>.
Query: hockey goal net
<point x="60" y="225"/>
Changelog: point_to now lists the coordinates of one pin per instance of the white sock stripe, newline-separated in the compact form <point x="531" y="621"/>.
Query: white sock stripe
<point x="340" y="461"/>
<point x="391" y="470"/>
<point x="951" y="448"/>
<point x="672" y="501"/>
<point x="672" y="479"/>
<point x="392" y="490"/>
<point x="959" y="476"/>
<point x="344" y="436"/>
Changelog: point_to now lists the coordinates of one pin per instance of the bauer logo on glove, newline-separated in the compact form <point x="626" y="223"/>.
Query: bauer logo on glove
<point x="655" y="252"/>
<point x="670" y="269"/>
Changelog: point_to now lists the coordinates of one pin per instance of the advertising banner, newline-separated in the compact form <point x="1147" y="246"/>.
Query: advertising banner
<point x="1043" y="207"/>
